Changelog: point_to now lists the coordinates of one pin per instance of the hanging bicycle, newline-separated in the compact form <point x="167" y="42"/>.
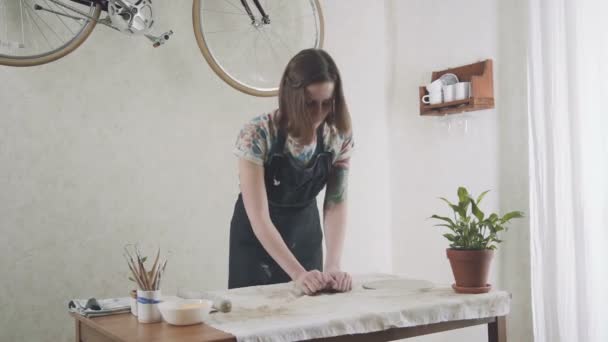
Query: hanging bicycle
<point x="247" y="43"/>
<point x="34" y="32"/>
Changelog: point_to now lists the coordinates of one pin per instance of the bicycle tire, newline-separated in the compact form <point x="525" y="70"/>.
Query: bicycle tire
<point x="57" y="53"/>
<point x="218" y="70"/>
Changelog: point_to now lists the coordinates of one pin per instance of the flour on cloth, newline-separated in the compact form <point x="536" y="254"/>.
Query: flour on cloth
<point x="278" y="313"/>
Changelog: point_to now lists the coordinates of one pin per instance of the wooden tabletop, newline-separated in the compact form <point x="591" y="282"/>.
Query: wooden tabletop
<point x="125" y="327"/>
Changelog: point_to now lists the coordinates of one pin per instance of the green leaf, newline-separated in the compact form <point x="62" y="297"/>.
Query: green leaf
<point x="446" y="219"/>
<point x="461" y="209"/>
<point x="478" y="213"/>
<point x="446" y="201"/>
<point x="454" y="207"/>
<point x="458" y="210"/>
<point x="463" y="194"/>
<point x="450" y="237"/>
<point x="480" y="197"/>
<point x="511" y="215"/>
<point x="144" y="259"/>
<point x="444" y="225"/>
<point x="472" y="227"/>
<point x="131" y="279"/>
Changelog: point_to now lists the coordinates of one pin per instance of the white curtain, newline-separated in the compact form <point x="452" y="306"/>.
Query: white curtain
<point x="568" y="117"/>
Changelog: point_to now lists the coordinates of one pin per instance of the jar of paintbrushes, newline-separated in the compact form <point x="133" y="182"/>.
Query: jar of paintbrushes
<point x="148" y="283"/>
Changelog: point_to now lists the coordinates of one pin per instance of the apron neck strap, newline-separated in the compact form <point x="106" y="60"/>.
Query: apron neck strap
<point x="282" y="138"/>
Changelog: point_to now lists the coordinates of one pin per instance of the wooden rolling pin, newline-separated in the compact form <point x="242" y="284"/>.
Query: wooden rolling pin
<point x="220" y="304"/>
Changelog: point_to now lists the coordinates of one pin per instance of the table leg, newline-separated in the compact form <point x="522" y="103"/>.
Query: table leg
<point x="497" y="330"/>
<point x="77" y="331"/>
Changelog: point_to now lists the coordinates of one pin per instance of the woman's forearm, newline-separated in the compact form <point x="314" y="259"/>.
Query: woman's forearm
<point x="256" y="206"/>
<point x="334" y="218"/>
<point x="273" y="243"/>
<point x="335" y="228"/>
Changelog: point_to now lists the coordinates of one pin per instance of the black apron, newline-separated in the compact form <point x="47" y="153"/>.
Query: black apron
<point x="291" y="191"/>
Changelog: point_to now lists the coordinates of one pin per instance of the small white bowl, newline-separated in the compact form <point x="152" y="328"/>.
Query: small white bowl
<point x="185" y="311"/>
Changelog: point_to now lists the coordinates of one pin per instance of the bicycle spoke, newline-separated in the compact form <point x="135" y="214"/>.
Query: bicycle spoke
<point x="29" y="8"/>
<point x="227" y="31"/>
<point x="59" y="17"/>
<point x="3" y="11"/>
<point x="255" y="53"/>
<point x="236" y="55"/>
<point x="282" y="6"/>
<point x="291" y="51"/>
<point x="62" y="9"/>
<point x="39" y="29"/>
<point x="238" y="8"/>
<point x="6" y="42"/>
<point x="276" y="55"/>
<point x="22" y="28"/>
<point x="235" y="28"/>
<point x="293" y="21"/>
<point x="244" y="52"/>
<point x="291" y="25"/>
<point x="34" y="39"/>
<point x="223" y="12"/>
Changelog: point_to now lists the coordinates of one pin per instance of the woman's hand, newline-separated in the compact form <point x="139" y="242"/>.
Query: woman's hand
<point x="340" y="281"/>
<point x="311" y="282"/>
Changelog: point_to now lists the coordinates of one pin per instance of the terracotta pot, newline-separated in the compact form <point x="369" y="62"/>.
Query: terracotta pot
<point x="471" y="269"/>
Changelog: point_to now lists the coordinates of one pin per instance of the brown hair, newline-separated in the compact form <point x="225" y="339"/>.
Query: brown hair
<point x="308" y="67"/>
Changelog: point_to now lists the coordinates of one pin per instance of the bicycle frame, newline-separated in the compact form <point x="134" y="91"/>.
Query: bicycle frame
<point x="265" y="17"/>
<point x="156" y="40"/>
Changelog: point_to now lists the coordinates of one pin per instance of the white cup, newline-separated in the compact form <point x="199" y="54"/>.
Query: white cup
<point x="434" y="86"/>
<point x="448" y="93"/>
<point x="133" y="302"/>
<point x="433" y="97"/>
<point x="147" y="306"/>
<point x="462" y="90"/>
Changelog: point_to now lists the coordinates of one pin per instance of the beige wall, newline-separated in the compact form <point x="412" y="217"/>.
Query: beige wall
<point x="120" y="142"/>
<point x="432" y="156"/>
<point x="513" y="160"/>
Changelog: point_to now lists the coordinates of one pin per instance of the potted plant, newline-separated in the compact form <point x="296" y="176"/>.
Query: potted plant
<point x="473" y="237"/>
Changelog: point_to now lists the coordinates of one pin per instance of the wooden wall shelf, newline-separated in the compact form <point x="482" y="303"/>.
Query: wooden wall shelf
<point x="480" y="75"/>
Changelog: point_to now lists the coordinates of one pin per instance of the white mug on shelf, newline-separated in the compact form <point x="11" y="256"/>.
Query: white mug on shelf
<point x="448" y="93"/>
<point x="433" y="97"/>
<point x="434" y="86"/>
<point x="462" y="90"/>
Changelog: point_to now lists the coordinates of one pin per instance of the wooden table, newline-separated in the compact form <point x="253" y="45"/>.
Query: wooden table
<point x="124" y="327"/>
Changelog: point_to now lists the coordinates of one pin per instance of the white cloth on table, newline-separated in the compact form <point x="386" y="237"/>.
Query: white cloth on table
<point x="109" y="306"/>
<point x="276" y="313"/>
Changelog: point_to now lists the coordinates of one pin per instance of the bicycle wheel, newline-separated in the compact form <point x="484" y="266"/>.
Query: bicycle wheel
<point x="34" y="32"/>
<point x="248" y="53"/>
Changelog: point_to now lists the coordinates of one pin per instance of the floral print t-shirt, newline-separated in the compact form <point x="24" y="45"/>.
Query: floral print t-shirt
<point x="257" y="137"/>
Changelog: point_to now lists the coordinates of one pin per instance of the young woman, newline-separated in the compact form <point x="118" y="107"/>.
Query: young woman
<point x="285" y="159"/>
